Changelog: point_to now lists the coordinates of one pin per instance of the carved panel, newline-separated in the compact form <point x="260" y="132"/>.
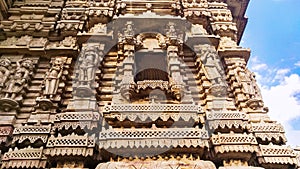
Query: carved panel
<point x="73" y="144"/>
<point x="27" y="157"/>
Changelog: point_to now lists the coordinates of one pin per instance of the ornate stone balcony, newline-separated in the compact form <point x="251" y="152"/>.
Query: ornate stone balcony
<point x="152" y="111"/>
<point x="157" y="138"/>
<point x="243" y="145"/>
<point x="230" y="119"/>
<point x="27" y="157"/>
<point x="31" y="133"/>
<point x="74" y="119"/>
<point x="268" y="131"/>
<point x="75" y="145"/>
<point x="177" y="162"/>
<point x="274" y="156"/>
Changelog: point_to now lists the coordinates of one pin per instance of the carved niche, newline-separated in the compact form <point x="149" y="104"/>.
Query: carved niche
<point x="51" y="82"/>
<point x="16" y="83"/>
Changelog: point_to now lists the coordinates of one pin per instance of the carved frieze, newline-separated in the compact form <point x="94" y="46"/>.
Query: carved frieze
<point x="27" y="157"/>
<point x="242" y="144"/>
<point x="76" y="119"/>
<point x="276" y="155"/>
<point x="227" y="119"/>
<point x="31" y="133"/>
<point x="160" y="163"/>
<point x="152" y="111"/>
<point x="75" y="145"/>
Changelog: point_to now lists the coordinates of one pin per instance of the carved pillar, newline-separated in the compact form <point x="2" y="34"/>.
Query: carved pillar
<point x="126" y="46"/>
<point x="176" y="82"/>
<point x="175" y="44"/>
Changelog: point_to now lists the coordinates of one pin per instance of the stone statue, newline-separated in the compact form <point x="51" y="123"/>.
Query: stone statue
<point x="19" y="79"/>
<point x="88" y="62"/>
<point x="171" y="31"/>
<point x="4" y="72"/>
<point x="53" y="76"/>
<point x="213" y="70"/>
<point x="244" y="79"/>
<point x="257" y="91"/>
<point x="128" y="31"/>
<point x="211" y="66"/>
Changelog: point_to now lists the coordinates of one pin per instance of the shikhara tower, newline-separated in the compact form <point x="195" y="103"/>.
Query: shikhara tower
<point x="132" y="84"/>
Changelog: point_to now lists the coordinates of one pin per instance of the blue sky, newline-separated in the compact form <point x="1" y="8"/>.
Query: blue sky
<point x="273" y="34"/>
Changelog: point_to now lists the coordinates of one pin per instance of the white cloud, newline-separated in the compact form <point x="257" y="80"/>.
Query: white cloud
<point x="278" y="88"/>
<point x="281" y="74"/>
<point x="283" y="105"/>
<point x="259" y="66"/>
<point x="297" y="64"/>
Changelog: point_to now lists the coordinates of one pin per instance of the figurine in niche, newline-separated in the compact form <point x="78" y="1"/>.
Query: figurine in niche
<point x="4" y="72"/>
<point x="171" y="31"/>
<point x="244" y="78"/>
<point x="128" y="34"/>
<point x="255" y="99"/>
<point x="88" y="62"/>
<point x="18" y="81"/>
<point x="257" y="94"/>
<point x="213" y="71"/>
<point x="52" y="77"/>
<point x="211" y="68"/>
<point x="157" y="96"/>
<point x="128" y="31"/>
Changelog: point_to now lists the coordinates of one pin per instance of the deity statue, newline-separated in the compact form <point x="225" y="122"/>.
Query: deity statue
<point x="128" y="31"/>
<point x="4" y="72"/>
<point x="19" y="79"/>
<point x="171" y="31"/>
<point x="88" y="62"/>
<point x="211" y="66"/>
<point x="257" y="94"/>
<point x="244" y="78"/>
<point x="53" y="76"/>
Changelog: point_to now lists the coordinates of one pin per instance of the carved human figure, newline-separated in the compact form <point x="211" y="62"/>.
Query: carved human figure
<point x="4" y="72"/>
<point x="19" y="79"/>
<point x="88" y="63"/>
<point x="52" y="77"/>
<point x="257" y="92"/>
<point x="171" y="31"/>
<point x="128" y="32"/>
<point x="211" y="66"/>
<point x="244" y="78"/>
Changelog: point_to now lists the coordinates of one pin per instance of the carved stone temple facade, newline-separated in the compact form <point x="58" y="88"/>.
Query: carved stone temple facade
<point x="132" y="84"/>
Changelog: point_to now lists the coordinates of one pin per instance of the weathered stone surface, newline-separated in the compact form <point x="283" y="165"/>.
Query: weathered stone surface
<point x="132" y="84"/>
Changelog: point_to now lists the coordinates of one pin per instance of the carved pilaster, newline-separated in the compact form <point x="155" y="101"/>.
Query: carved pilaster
<point x="89" y="59"/>
<point x="244" y="86"/>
